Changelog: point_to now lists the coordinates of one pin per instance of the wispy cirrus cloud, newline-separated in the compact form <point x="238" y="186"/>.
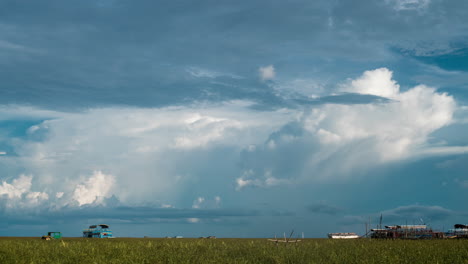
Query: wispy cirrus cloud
<point x="400" y="5"/>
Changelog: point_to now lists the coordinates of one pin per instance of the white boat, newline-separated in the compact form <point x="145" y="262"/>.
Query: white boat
<point x="343" y="235"/>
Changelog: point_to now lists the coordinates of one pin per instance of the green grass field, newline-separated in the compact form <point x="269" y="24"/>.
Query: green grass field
<point x="158" y="250"/>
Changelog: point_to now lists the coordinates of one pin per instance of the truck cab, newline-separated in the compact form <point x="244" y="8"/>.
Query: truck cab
<point x="97" y="231"/>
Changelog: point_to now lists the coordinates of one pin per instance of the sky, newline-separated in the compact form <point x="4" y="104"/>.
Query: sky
<point x="232" y="118"/>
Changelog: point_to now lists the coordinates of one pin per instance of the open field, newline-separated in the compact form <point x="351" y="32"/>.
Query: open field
<point x="159" y="250"/>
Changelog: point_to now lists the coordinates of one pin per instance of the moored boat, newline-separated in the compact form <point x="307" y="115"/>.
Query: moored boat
<point x="343" y="235"/>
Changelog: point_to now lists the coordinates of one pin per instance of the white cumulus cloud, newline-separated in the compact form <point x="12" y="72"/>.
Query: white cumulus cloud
<point x="249" y="178"/>
<point x="340" y="140"/>
<point x="97" y="187"/>
<point x="150" y="153"/>
<point x="156" y="154"/>
<point x="18" y="194"/>
<point x="17" y="188"/>
<point x="398" y="129"/>
<point x="202" y="203"/>
<point x="267" y="73"/>
<point x="376" y="82"/>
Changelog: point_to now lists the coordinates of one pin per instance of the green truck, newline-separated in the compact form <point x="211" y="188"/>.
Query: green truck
<point x="52" y="235"/>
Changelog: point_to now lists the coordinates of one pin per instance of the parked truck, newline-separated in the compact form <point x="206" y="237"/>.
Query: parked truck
<point x="98" y="231"/>
<point x="52" y="235"/>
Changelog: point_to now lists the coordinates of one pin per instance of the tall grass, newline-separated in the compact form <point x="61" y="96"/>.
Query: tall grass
<point x="150" y="250"/>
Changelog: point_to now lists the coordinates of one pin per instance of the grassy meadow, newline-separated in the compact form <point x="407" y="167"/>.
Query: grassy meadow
<point x="160" y="250"/>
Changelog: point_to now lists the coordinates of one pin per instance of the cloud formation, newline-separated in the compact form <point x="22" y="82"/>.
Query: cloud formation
<point x="324" y="208"/>
<point x="95" y="189"/>
<point x="414" y="213"/>
<point x="173" y="104"/>
<point x="267" y="73"/>
<point x="377" y="82"/>
<point x="170" y="157"/>
<point x="136" y="153"/>
<point x="140" y="149"/>
<point x="397" y="129"/>
<point x="417" y="212"/>
<point x="248" y="178"/>
<point x="337" y="139"/>
<point x="408" y="4"/>
<point x="18" y="194"/>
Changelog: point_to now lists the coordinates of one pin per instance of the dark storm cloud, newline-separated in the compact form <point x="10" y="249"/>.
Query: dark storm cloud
<point x="95" y="53"/>
<point x="417" y="213"/>
<point x="409" y="214"/>
<point x="323" y="208"/>
<point x="121" y="213"/>
<point x="348" y="98"/>
<point x="453" y="61"/>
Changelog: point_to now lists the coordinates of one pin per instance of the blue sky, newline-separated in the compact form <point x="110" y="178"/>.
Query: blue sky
<point x="228" y="118"/>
